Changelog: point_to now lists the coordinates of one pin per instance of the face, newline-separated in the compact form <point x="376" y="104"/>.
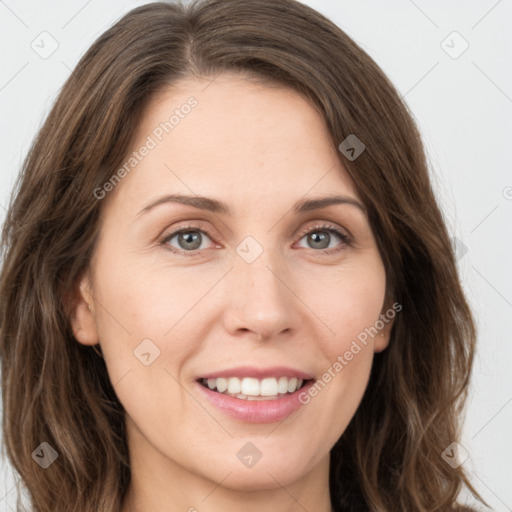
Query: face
<point x="257" y="288"/>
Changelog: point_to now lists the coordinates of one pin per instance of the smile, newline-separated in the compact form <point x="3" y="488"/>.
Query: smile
<point x="255" y="395"/>
<point x="251" y="388"/>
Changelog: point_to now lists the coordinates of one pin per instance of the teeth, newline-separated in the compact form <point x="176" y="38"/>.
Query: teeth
<point x="234" y="386"/>
<point x="268" y="387"/>
<point x="250" y="388"/>
<point x="222" y="385"/>
<point x="282" y="385"/>
<point x="292" y="385"/>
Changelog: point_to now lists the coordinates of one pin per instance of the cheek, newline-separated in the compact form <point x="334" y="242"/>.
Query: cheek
<point x="148" y="322"/>
<point x="144" y="336"/>
<point x="347" y="300"/>
<point x="352" y="312"/>
<point x="141" y="297"/>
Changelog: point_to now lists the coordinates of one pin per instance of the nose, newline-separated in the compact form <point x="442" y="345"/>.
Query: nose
<point x="261" y="300"/>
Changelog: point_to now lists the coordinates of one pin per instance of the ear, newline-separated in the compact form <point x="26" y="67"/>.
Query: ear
<point x="82" y="315"/>
<point x="387" y="317"/>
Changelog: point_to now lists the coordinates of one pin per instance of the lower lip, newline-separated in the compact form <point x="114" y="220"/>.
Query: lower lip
<point x="256" y="411"/>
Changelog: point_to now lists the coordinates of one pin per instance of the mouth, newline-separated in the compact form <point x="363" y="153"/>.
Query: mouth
<point x="255" y="395"/>
<point x="255" y="389"/>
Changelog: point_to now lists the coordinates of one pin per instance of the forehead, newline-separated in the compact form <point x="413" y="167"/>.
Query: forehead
<point x="235" y="140"/>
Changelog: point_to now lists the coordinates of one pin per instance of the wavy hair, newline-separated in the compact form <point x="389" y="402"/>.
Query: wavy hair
<point x="57" y="391"/>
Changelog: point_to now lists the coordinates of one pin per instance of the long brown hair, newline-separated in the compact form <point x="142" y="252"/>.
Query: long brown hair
<point x="57" y="391"/>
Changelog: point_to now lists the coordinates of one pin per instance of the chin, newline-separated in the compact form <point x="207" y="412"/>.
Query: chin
<point x="269" y="472"/>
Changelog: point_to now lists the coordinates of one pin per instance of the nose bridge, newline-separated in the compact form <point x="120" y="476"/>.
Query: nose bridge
<point x="262" y="280"/>
<point x="261" y="300"/>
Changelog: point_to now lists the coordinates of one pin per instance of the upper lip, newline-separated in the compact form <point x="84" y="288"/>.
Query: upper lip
<point x="258" y="373"/>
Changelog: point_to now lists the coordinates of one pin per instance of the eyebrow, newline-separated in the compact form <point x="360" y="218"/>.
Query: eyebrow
<point x="216" y="206"/>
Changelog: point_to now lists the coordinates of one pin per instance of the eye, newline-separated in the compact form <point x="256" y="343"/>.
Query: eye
<point x="191" y="240"/>
<point x="188" y="239"/>
<point x="321" y="238"/>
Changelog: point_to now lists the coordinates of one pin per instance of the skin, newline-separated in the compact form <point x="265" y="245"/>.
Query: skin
<point x="259" y="149"/>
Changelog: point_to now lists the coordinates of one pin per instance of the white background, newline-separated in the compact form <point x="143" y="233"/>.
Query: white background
<point x="463" y="107"/>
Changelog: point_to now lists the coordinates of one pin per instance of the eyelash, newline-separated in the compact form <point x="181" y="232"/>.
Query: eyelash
<point x="346" y="240"/>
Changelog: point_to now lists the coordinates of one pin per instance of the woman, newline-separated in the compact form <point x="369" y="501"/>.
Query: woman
<point x="227" y="283"/>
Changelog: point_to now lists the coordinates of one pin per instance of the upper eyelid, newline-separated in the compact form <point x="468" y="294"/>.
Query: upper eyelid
<point x="187" y="227"/>
<point x="317" y="225"/>
<point x="324" y="225"/>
